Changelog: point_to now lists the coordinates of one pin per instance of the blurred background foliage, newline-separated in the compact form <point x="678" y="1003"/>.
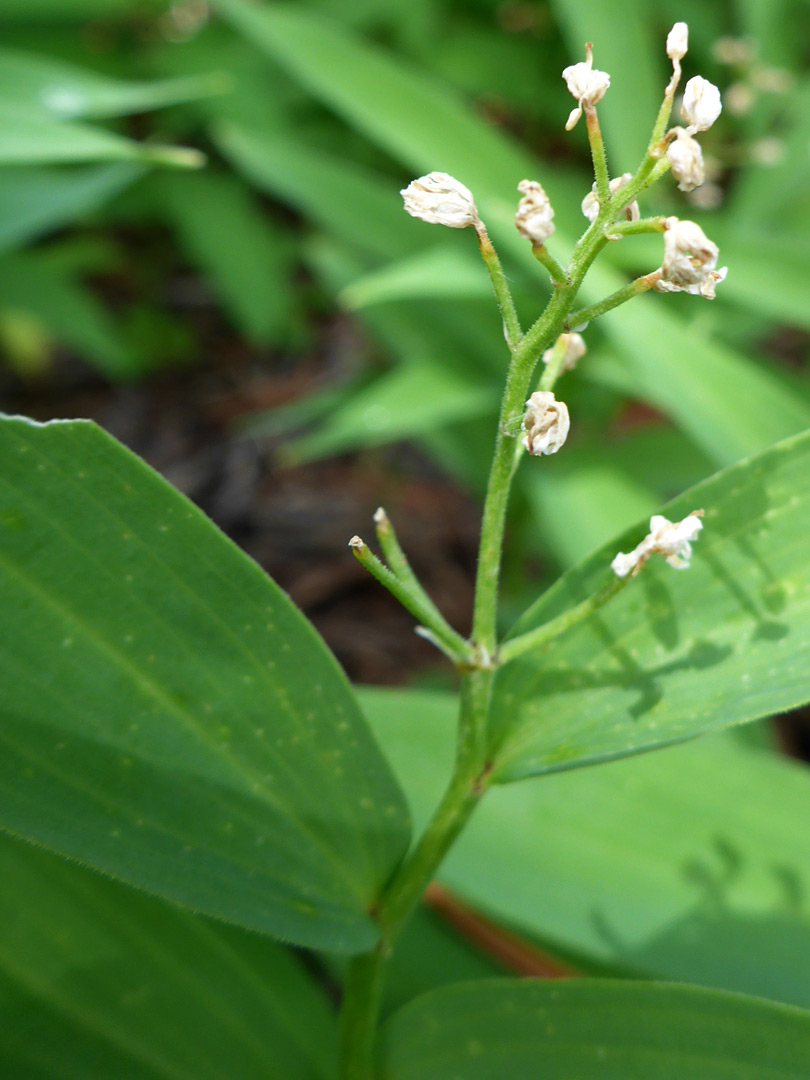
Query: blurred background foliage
<point x="279" y="304"/>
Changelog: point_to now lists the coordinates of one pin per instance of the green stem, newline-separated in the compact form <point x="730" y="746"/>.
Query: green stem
<point x="360" y="1007"/>
<point x="600" y="168"/>
<point x="539" y="336"/>
<point x="398" y="561"/>
<point x="638" y="228"/>
<point x="556" y="362"/>
<point x="555" y="269"/>
<point x="633" y="288"/>
<point x="503" y="294"/>
<point x="416" y="602"/>
<point x="542" y="634"/>
<point x="363" y="983"/>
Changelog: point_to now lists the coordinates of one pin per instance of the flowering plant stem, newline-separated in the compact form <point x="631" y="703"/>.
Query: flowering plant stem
<point x="440" y="199"/>
<point x="363" y="983"/>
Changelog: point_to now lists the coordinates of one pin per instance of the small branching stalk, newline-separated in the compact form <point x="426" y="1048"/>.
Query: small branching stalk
<point x="533" y="424"/>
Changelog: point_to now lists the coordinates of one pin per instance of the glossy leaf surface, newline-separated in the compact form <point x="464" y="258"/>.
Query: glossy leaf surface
<point x="674" y="654"/>
<point x="595" y="1031"/>
<point x="98" y="981"/>
<point x="168" y="716"/>
<point x="691" y="863"/>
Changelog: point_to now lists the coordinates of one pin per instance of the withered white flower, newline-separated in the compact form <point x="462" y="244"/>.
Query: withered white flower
<point x="534" y="216"/>
<point x="590" y="204"/>
<point x="586" y="84"/>
<point x="546" y="423"/>
<point x="678" y="41"/>
<point x="440" y="199"/>
<point x="690" y="259"/>
<point x="574" y="350"/>
<point x="701" y="104"/>
<point x="671" y="539"/>
<point x="686" y="160"/>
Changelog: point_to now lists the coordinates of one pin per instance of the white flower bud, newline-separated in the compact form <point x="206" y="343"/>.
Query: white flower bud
<point x="440" y="199"/>
<point x="678" y="41"/>
<point x="534" y="215"/>
<point x="590" y="204"/>
<point x="586" y="84"/>
<point x="574" y="350"/>
<point x="546" y="423"/>
<point x="701" y="104"/>
<point x="671" y="539"/>
<point x="686" y="160"/>
<point x="690" y="259"/>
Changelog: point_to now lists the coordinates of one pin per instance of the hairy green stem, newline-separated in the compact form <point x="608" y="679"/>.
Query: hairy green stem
<point x="415" y="601"/>
<point x="555" y="269"/>
<point x="633" y="288"/>
<point x="554" y="627"/>
<point x="600" y="168"/>
<point x="538" y="337"/>
<point x="503" y="294"/>
<point x="398" y="561"/>
<point x="363" y="983"/>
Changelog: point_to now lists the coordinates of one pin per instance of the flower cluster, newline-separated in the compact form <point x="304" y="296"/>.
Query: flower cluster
<point x="534" y="218"/>
<point x="672" y="539"/>
<point x="440" y="199"/>
<point x="586" y="84"/>
<point x="690" y="259"/>
<point x="546" y="423"/>
<point x="700" y="108"/>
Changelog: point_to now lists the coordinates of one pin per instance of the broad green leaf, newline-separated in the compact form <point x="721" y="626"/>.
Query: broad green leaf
<point x="594" y="1030"/>
<point x="99" y="981"/>
<point x="230" y="238"/>
<point x="675" y="366"/>
<point x="690" y="864"/>
<point x="30" y="138"/>
<point x="35" y="200"/>
<point x="65" y="90"/>
<point x="675" y="654"/>
<point x="193" y="736"/>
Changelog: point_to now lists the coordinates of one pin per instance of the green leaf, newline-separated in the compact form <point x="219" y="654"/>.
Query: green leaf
<point x="36" y="200"/>
<point x="691" y="864"/>
<point x="65" y="90"/>
<point x="674" y="655"/>
<point x="437" y="272"/>
<point x="594" y="1030"/>
<point x="414" y="398"/>
<point x="193" y="736"/>
<point x="30" y="138"/>
<point x="229" y="236"/>
<point x="99" y="981"/>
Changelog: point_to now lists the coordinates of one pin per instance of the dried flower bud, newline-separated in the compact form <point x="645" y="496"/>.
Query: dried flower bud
<point x="534" y="215"/>
<point x="671" y="539"/>
<point x="546" y="423"/>
<point x="587" y="85"/>
<point x="440" y="199"/>
<point x="678" y="41"/>
<point x="686" y="160"/>
<point x="574" y="350"/>
<point x="701" y="104"/>
<point x="590" y="204"/>
<point x="689" y="260"/>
